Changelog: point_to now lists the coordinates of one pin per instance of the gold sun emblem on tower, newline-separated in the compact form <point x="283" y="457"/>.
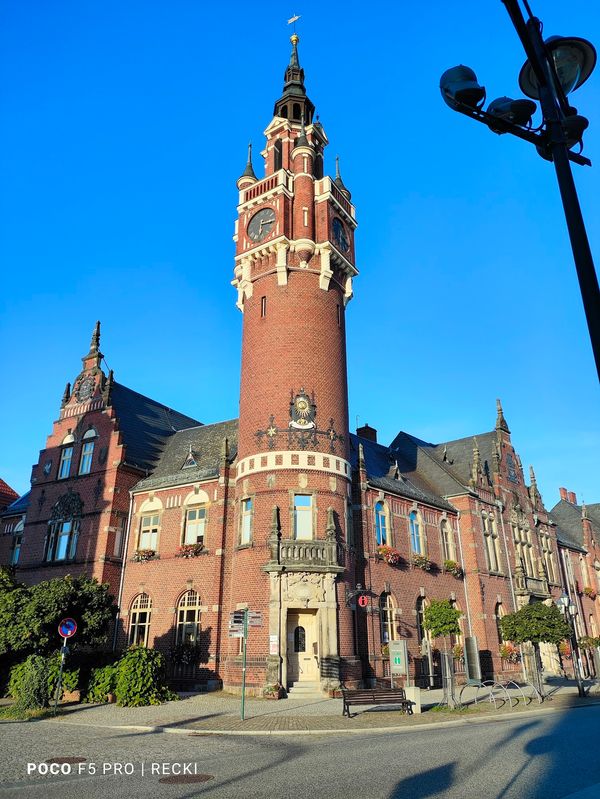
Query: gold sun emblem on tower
<point x="302" y="411"/>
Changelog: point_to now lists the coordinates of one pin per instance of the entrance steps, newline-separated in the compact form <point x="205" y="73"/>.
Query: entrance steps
<point x="305" y="690"/>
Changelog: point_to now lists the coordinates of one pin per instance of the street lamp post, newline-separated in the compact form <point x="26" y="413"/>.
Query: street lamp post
<point x="553" y="69"/>
<point x="569" y="610"/>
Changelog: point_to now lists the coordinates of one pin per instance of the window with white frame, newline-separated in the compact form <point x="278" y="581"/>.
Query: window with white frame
<point x="87" y="451"/>
<point x="149" y="527"/>
<point x="524" y="549"/>
<point x="17" y="540"/>
<point x="387" y="615"/>
<point x="303" y="517"/>
<point x="188" y="618"/>
<point x="64" y="466"/>
<point x="548" y="555"/>
<point x="246" y="516"/>
<point x="448" y="541"/>
<point x="195" y="523"/>
<point x="139" y="620"/>
<point x="381" y="524"/>
<point x="417" y="538"/>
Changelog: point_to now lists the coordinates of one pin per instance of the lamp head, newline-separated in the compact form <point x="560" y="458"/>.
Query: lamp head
<point x="517" y="112"/>
<point x="459" y="86"/>
<point x="574" y="61"/>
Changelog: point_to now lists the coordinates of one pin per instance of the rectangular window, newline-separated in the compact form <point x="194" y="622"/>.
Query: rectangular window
<point x="64" y="467"/>
<point x="15" y="550"/>
<point x="85" y="465"/>
<point x="119" y="539"/>
<point x="149" y="532"/>
<point x="303" y="517"/>
<point x="246" y="521"/>
<point x="195" y="521"/>
<point x="61" y="541"/>
<point x="263" y="306"/>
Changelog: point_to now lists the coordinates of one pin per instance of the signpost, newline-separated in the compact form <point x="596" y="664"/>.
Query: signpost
<point x="239" y="621"/>
<point x="398" y="660"/>
<point x="66" y="629"/>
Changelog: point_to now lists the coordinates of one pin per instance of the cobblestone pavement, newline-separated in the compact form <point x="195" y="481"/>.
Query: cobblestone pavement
<point x="219" y="712"/>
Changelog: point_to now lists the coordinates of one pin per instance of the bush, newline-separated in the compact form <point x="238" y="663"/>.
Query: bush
<point x="102" y="682"/>
<point x="70" y="677"/>
<point x="28" y="683"/>
<point x="141" y="678"/>
<point x="537" y="623"/>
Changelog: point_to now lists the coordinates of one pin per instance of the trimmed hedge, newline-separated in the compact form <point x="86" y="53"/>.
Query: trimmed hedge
<point x="142" y="679"/>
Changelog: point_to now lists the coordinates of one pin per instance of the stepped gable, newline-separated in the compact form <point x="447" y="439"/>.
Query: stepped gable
<point x="20" y="505"/>
<point x="382" y="473"/>
<point x="145" y="424"/>
<point x="204" y="443"/>
<point x="567" y="518"/>
<point x="7" y="494"/>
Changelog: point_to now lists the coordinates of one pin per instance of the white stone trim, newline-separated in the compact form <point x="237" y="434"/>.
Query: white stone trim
<point x="337" y="466"/>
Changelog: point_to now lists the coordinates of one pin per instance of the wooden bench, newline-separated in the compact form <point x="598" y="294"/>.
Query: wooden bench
<point x="375" y="696"/>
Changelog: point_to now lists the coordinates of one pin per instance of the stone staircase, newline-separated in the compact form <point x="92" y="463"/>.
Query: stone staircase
<point x="305" y="690"/>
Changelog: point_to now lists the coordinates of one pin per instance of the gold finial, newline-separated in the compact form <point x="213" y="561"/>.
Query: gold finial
<point x="294" y="38"/>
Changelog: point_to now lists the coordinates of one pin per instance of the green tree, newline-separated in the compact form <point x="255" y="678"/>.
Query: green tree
<point x="29" y="616"/>
<point x="537" y="623"/>
<point x="441" y="619"/>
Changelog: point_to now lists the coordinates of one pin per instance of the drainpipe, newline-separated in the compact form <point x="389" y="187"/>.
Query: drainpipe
<point x="500" y="507"/>
<point x="462" y="563"/>
<point x="125" y="546"/>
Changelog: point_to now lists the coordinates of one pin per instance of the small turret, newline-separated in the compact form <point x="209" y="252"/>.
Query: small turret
<point x="338" y="179"/>
<point x="248" y="177"/>
<point x="501" y="423"/>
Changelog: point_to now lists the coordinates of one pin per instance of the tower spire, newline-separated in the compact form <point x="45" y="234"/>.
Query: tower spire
<point x="248" y="176"/>
<point x="501" y="423"/>
<point x="293" y="103"/>
<point x="294" y="60"/>
<point x="338" y="179"/>
<point x="95" y="342"/>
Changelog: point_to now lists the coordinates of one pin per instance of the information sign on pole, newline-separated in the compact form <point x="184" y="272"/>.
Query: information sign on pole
<point x="398" y="658"/>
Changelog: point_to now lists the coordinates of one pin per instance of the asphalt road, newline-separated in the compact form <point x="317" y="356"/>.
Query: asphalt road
<point x="550" y="756"/>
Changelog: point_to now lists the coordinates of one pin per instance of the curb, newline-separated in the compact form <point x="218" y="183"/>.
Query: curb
<point x="190" y="731"/>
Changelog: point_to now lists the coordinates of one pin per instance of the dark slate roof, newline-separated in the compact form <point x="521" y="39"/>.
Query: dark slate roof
<point x="420" y="461"/>
<point x="205" y="443"/>
<point x="381" y="472"/>
<point x="146" y="425"/>
<point x="569" y="530"/>
<point x="593" y="512"/>
<point x="17" y="507"/>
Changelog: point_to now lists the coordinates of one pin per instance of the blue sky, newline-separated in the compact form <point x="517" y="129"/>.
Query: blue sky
<point x="123" y="129"/>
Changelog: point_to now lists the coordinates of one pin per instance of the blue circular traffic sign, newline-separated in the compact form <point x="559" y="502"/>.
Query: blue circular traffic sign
<point x="67" y="628"/>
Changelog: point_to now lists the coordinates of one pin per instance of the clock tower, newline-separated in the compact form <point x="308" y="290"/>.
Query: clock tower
<point x="294" y="267"/>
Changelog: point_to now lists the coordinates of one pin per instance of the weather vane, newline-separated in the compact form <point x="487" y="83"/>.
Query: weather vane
<point x="293" y="20"/>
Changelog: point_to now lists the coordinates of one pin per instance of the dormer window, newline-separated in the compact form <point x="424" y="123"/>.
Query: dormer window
<point x="87" y="451"/>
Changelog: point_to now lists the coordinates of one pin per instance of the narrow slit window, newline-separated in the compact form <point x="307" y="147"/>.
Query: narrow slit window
<point x="263" y="307"/>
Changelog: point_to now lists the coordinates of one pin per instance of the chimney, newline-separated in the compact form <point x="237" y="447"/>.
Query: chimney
<point x="367" y="432"/>
<point x="563" y="494"/>
<point x="572" y="498"/>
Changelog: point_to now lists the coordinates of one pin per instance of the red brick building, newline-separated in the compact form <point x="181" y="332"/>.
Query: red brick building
<point x="283" y="510"/>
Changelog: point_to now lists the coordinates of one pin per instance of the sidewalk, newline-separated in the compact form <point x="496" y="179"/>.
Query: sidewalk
<point x="219" y="713"/>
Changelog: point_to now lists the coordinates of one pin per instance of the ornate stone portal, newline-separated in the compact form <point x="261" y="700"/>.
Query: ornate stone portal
<point x="292" y="593"/>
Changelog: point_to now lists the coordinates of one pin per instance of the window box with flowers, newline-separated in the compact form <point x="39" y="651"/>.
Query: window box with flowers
<point x="190" y="551"/>
<point x="588" y="642"/>
<point x="452" y="567"/>
<point x="589" y="591"/>
<point x="510" y="653"/>
<point x="390" y="555"/>
<point x="144" y="555"/>
<point x="421" y="562"/>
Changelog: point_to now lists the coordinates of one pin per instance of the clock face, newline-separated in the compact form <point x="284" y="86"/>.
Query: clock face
<point x="85" y="389"/>
<point x="340" y="236"/>
<point x="261" y="224"/>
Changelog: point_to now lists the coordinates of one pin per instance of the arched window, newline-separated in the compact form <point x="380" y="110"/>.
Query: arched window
<point x="448" y="541"/>
<point x="499" y="613"/>
<point x="457" y="638"/>
<point x="299" y="639"/>
<point x="296" y="111"/>
<point x="63" y="528"/>
<point x="387" y="618"/>
<point x="284" y="111"/>
<point x="139" y="620"/>
<point x="66" y="456"/>
<point x="278" y="155"/>
<point x="195" y="515"/>
<point x="381" y="525"/>
<point x="417" y="539"/>
<point x="87" y="451"/>
<point x="188" y="618"/>
<point x="17" y="534"/>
